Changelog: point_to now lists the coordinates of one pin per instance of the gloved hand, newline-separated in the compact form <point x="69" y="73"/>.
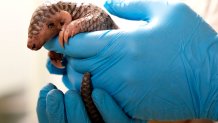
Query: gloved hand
<point x="55" y="107"/>
<point x="165" y="70"/>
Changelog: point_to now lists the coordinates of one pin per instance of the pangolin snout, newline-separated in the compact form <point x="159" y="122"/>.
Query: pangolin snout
<point x="31" y="44"/>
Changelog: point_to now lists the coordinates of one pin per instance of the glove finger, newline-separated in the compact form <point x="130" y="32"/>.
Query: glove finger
<point x="75" y="109"/>
<point x="93" y="61"/>
<point x="67" y="82"/>
<point x="108" y="108"/>
<point x="84" y="45"/>
<point x="55" y="107"/>
<point x="136" y="9"/>
<point x="53" y="70"/>
<point x="41" y="104"/>
<point x="74" y="77"/>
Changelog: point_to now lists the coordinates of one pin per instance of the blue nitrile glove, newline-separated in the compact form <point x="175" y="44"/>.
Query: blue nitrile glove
<point x="55" y="107"/>
<point x="165" y="70"/>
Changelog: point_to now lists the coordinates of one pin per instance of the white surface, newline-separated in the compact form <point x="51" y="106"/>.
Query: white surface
<point x="15" y="58"/>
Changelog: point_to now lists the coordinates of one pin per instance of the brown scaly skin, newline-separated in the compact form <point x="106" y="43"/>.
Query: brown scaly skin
<point x="86" y="92"/>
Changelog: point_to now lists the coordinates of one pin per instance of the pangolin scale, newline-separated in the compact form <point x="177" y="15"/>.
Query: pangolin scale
<point x="68" y="19"/>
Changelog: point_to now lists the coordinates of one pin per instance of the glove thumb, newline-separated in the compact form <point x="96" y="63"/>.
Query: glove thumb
<point x="136" y="9"/>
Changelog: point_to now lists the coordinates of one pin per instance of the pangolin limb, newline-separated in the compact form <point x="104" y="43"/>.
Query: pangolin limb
<point x="67" y="19"/>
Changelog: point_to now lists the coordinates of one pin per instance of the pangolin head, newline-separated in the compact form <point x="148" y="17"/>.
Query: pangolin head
<point x="46" y="22"/>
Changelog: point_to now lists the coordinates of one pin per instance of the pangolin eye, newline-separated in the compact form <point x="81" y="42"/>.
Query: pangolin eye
<point x="62" y="23"/>
<point x="51" y="25"/>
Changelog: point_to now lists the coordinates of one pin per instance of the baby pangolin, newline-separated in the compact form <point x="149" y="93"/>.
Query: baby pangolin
<point x="67" y="19"/>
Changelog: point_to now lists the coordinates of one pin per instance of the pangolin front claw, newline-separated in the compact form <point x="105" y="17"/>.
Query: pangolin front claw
<point x="56" y="59"/>
<point x="61" y="38"/>
<point x="66" y="36"/>
<point x="57" y="63"/>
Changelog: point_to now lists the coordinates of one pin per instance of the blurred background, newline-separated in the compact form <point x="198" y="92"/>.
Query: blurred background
<point x="23" y="71"/>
